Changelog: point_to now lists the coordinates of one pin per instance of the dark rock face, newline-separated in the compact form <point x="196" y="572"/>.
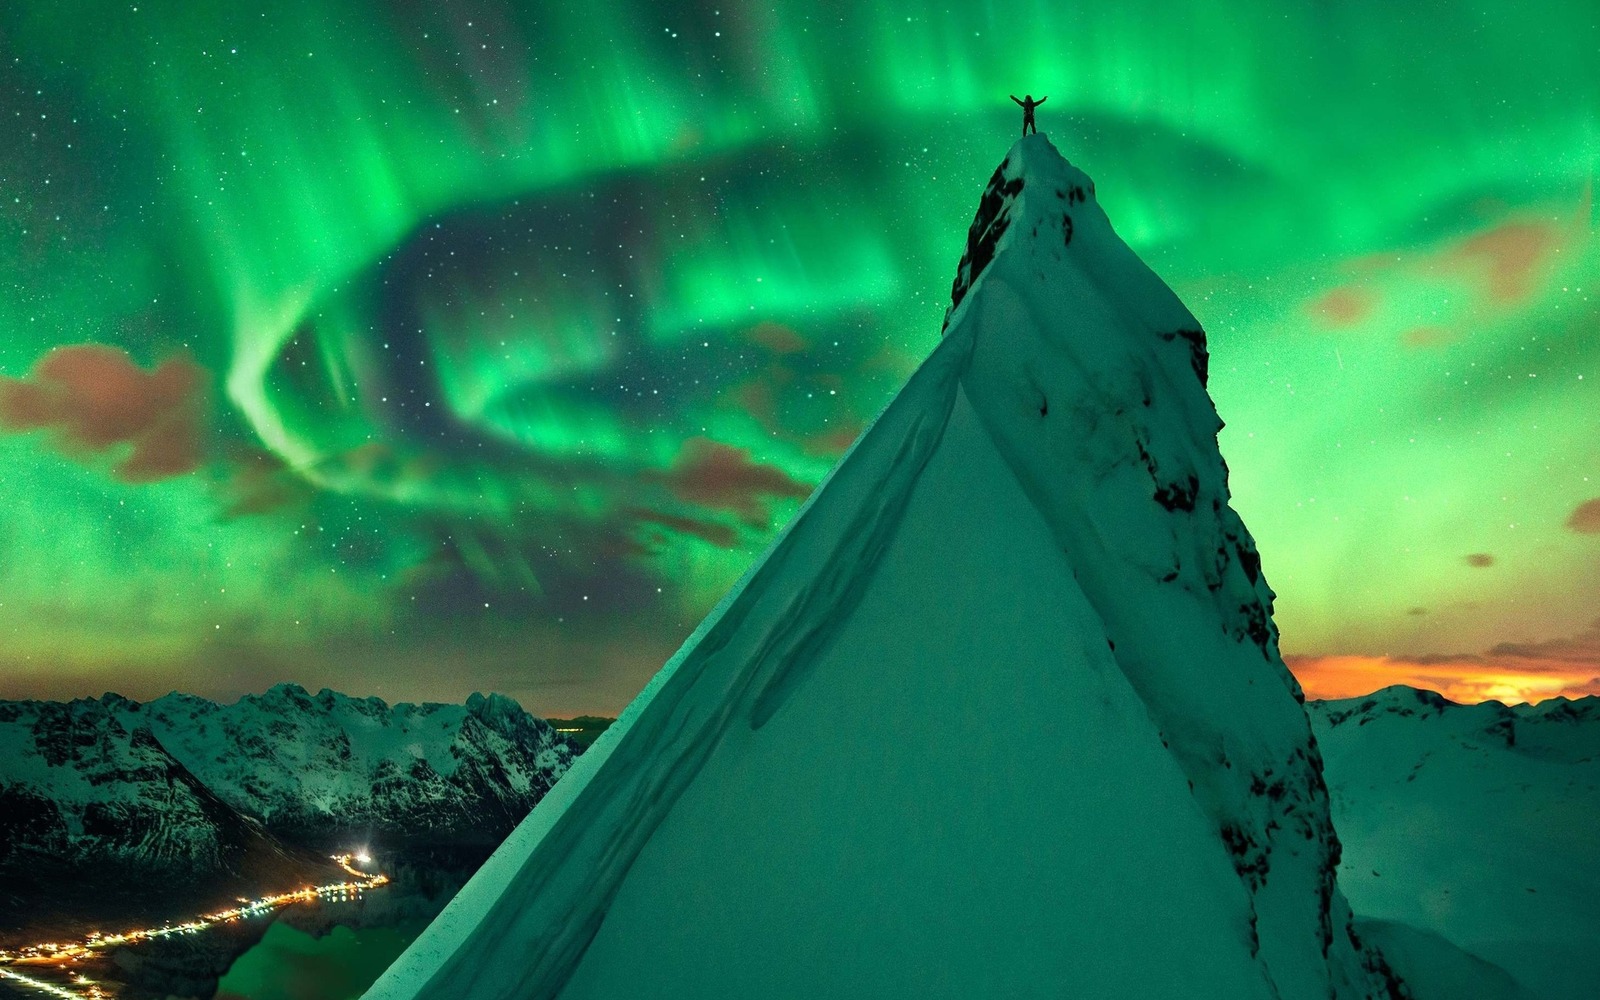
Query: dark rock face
<point x="1199" y="358"/>
<point x="30" y="820"/>
<point x="984" y="234"/>
<point x="92" y="790"/>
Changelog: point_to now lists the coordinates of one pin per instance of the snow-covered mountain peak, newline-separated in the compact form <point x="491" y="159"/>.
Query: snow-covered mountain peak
<point x="308" y="761"/>
<point x="494" y="710"/>
<point x="1088" y="375"/>
<point x="1153" y="820"/>
<point x="1026" y="187"/>
<point x="1091" y="373"/>
<point x="1396" y="699"/>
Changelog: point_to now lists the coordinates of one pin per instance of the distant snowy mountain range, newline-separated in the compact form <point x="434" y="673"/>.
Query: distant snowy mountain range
<point x="1475" y="824"/>
<point x="182" y="786"/>
<point x="310" y="765"/>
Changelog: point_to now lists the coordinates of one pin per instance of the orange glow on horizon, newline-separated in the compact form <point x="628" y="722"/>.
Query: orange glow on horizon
<point x="1466" y="680"/>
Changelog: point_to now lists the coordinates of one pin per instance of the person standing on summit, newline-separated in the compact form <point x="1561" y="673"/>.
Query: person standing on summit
<point x="1028" y="104"/>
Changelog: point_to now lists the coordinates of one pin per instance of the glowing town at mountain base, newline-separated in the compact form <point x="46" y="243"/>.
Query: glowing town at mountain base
<point x="59" y="954"/>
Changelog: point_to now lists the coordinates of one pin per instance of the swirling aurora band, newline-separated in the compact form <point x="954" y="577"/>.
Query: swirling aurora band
<point x="483" y="345"/>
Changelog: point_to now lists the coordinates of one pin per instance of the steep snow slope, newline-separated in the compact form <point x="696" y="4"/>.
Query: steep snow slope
<point x="327" y="763"/>
<point x="1477" y="823"/>
<point x="1035" y="529"/>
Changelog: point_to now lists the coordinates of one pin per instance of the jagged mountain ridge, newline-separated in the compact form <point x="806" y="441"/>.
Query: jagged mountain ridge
<point x="189" y="788"/>
<point x="327" y="763"/>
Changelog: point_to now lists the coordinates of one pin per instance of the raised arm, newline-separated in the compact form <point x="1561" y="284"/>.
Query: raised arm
<point x="1041" y="100"/>
<point x="1014" y="98"/>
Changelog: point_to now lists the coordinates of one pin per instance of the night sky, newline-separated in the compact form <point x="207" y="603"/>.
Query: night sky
<point x="417" y="348"/>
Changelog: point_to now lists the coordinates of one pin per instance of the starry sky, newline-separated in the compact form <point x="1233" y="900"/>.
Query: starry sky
<point x="416" y="348"/>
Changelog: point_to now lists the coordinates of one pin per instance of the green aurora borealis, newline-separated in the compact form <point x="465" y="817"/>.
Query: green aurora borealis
<point x="418" y="348"/>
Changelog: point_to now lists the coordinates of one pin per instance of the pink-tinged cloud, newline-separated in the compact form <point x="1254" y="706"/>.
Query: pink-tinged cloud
<point x="759" y="398"/>
<point x="1343" y="306"/>
<point x="777" y="338"/>
<point x="1510" y="257"/>
<point x="1427" y="336"/>
<point x="722" y="477"/>
<point x="1585" y="520"/>
<point x="93" y="398"/>
<point x="834" y="443"/>
<point x="1506" y="263"/>
<point x="1582" y="649"/>
<point x="1509" y="672"/>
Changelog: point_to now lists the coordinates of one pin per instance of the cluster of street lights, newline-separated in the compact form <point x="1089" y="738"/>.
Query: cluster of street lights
<point x="57" y="954"/>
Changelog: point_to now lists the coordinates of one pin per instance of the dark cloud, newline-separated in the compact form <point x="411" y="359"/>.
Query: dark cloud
<point x="1433" y="659"/>
<point x="1582" y="648"/>
<point x="1479" y="559"/>
<point x="93" y="397"/>
<point x="759" y="398"/>
<point x="512" y="572"/>
<point x="777" y="338"/>
<point x="721" y="535"/>
<point x="258" y="482"/>
<point x="1585" y="519"/>
<point x="723" y="477"/>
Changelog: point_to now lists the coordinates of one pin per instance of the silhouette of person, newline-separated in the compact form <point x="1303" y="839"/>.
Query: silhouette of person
<point x="1028" y="104"/>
